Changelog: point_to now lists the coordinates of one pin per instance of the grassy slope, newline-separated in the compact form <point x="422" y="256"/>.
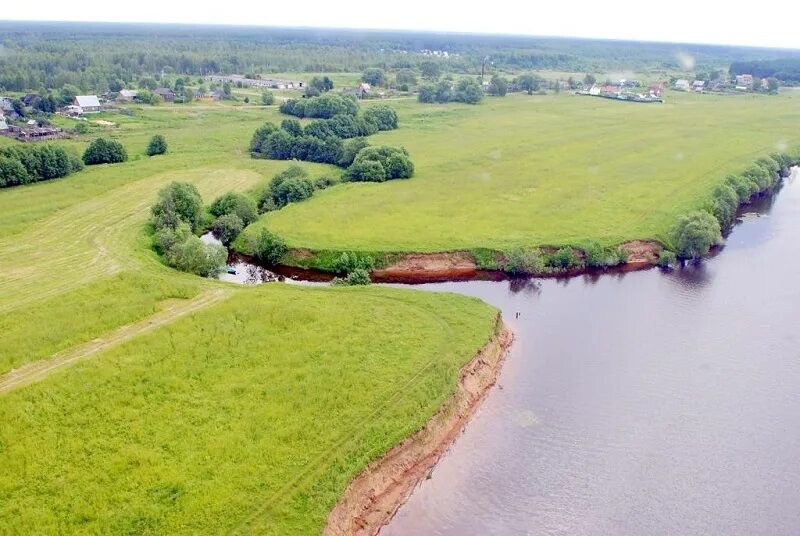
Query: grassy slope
<point x="198" y="425"/>
<point x="544" y="170"/>
<point x="259" y="409"/>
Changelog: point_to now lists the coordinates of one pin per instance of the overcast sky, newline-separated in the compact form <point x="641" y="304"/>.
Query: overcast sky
<point x="774" y="23"/>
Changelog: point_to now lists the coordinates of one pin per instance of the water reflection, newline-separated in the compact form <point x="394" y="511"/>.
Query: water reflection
<point x="650" y="402"/>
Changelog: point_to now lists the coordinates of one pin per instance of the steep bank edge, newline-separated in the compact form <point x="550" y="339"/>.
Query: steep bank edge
<point x="374" y="496"/>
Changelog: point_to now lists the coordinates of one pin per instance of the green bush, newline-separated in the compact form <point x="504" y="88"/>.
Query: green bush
<point x="104" y="151"/>
<point x="600" y="257"/>
<point x="667" y="258"/>
<point x="178" y="202"/>
<point x="195" y="257"/>
<point x="166" y="238"/>
<point x="564" y="258"/>
<point x="695" y="233"/>
<point x="12" y="172"/>
<point x="358" y="276"/>
<point x="365" y="171"/>
<point x="227" y="227"/>
<point x="348" y="262"/>
<point x="269" y="247"/>
<point x="743" y="187"/>
<point x="524" y="261"/>
<point x="267" y="98"/>
<point x="235" y="203"/>
<point x="157" y="145"/>
<point x="394" y="164"/>
<point x="726" y="203"/>
<point x="325" y="182"/>
<point x="384" y="117"/>
<point x="350" y="150"/>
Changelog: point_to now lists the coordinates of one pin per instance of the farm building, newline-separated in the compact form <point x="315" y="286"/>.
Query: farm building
<point x="127" y="95"/>
<point x="272" y="83"/>
<point x="87" y="103"/>
<point x="656" y="89"/>
<point x="682" y="85"/>
<point x="165" y="93"/>
<point x="744" y="80"/>
<point x="699" y="85"/>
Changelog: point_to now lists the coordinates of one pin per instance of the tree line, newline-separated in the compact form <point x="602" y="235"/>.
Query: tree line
<point x="786" y="70"/>
<point x="25" y="164"/>
<point x="95" y="56"/>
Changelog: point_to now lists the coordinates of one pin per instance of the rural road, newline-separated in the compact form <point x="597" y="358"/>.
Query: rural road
<point x="39" y="370"/>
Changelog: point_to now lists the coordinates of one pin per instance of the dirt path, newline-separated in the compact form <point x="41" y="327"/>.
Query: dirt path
<point x="39" y="370"/>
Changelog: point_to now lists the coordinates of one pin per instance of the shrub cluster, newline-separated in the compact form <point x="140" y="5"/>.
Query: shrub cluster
<point x="289" y="186"/>
<point x="358" y="276"/>
<point x="104" y="151"/>
<point x="177" y="213"/>
<point x="325" y="106"/>
<point x="269" y="247"/>
<point x="24" y="164"/>
<point x="466" y="90"/>
<point x="696" y="232"/>
<point x="378" y="164"/>
<point x="332" y="141"/>
<point x="520" y="261"/>
<point x="596" y="256"/>
<point x="233" y="213"/>
<point x="349" y="262"/>
<point x="157" y="145"/>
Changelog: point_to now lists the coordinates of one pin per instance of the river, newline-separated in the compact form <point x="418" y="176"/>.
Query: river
<point x="646" y="403"/>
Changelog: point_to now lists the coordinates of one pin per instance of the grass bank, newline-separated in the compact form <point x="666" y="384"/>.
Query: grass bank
<point x="554" y="170"/>
<point x="250" y="414"/>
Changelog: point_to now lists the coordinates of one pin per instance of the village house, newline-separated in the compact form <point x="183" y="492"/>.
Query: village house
<point x="745" y="80"/>
<point x="165" y="93"/>
<point x="3" y="124"/>
<point x="29" y="99"/>
<point x="127" y="95"/>
<point x="682" y="85"/>
<point x="362" y="91"/>
<point x="272" y="83"/>
<point x="87" y="103"/>
<point x="656" y="89"/>
<point x="699" y="85"/>
<point x="7" y="107"/>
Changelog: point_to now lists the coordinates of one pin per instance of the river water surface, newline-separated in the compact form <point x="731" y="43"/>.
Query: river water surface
<point x="646" y="403"/>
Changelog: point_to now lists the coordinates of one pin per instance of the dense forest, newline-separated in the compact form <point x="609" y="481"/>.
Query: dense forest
<point x="93" y="56"/>
<point x="784" y="69"/>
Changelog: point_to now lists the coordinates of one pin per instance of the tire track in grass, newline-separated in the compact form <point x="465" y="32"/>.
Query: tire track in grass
<point x="92" y="239"/>
<point x="39" y="370"/>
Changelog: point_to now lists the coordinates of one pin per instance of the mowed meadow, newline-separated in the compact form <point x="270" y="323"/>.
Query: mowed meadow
<point x="135" y="399"/>
<point x="545" y="170"/>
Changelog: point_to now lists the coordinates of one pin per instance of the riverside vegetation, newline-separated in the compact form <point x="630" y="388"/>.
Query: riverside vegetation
<point x="588" y="178"/>
<point x="306" y="385"/>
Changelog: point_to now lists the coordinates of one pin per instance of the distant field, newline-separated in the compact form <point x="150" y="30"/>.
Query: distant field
<point x="251" y="413"/>
<point x="544" y="170"/>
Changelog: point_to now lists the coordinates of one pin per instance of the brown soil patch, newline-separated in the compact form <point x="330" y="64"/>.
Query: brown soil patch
<point x="428" y="267"/>
<point x="642" y="252"/>
<point x="372" y="499"/>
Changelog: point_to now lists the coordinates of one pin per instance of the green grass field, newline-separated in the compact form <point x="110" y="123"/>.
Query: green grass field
<point x="251" y="413"/>
<point x="544" y="170"/>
